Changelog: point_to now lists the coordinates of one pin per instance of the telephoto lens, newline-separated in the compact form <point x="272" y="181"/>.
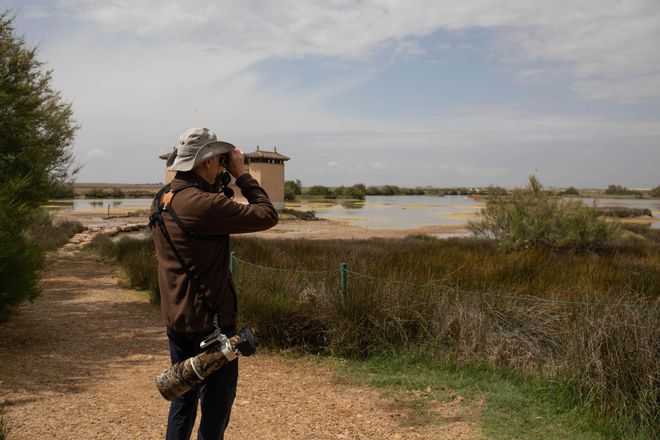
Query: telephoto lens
<point x="218" y="350"/>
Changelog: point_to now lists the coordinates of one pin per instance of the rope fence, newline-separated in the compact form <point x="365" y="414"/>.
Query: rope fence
<point x="343" y="277"/>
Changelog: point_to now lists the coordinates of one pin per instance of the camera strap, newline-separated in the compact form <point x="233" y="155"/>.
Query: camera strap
<point x="156" y="219"/>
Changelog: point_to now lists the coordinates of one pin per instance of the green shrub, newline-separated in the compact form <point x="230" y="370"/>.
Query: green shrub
<point x="570" y="191"/>
<point x="36" y="133"/>
<point x="21" y="259"/>
<point x="292" y="188"/>
<point x="531" y="218"/>
<point x="319" y="190"/>
<point x="103" y="245"/>
<point x="621" y="191"/>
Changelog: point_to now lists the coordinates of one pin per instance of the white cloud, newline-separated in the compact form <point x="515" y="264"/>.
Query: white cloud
<point x="96" y="154"/>
<point x="596" y="42"/>
<point x="140" y="72"/>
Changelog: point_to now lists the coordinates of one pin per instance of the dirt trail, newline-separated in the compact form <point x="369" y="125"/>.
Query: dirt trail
<point x="79" y="363"/>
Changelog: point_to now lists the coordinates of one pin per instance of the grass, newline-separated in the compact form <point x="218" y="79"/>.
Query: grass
<point x="49" y="234"/>
<point x="138" y="259"/>
<point x="502" y="404"/>
<point x="53" y="236"/>
<point x="463" y="302"/>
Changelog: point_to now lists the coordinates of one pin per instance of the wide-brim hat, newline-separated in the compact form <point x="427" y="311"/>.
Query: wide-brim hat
<point x="194" y="147"/>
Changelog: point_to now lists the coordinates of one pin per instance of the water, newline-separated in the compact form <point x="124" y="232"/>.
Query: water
<point x="100" y="205"/>
<point x="375" y="212"/>
<point x="396" y="212"/>
<point x="407" y="212"/>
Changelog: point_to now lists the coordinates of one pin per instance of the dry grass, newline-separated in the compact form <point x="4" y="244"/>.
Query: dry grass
<point x="464" y="301"/>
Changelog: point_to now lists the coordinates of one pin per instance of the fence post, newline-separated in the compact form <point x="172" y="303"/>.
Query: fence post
<point x="232" y="262"/>
<point x="343" y="278"/>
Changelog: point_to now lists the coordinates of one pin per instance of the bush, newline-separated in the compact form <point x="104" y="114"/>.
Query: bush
<point x="319" y="190"/>
<point x="21" y="259"/>
<point x="655" y="192"/>
<point x="570" y="191"/>
<point x="530" y="218"/>
<point x="293" y="188"/>
<point x="621" y="191"/>
<point x="36" y="133"/>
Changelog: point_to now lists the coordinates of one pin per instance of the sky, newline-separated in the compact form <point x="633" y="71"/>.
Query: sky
<point x="413" y="93"/>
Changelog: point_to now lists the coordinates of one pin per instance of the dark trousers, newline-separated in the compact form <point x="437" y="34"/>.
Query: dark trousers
<point x="216" y="393"/>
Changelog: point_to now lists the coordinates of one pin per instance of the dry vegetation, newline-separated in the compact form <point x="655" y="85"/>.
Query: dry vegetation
<point x="462" y="301"/>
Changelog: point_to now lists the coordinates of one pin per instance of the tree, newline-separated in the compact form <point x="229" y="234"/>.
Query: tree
<point x="616" y="189"/>
<point x="655" y="192"/>
<point x="319" y="190"/>
<point x="570" y="191"/>
<point x="292" y="189"/>
<point x="36" y="135"/>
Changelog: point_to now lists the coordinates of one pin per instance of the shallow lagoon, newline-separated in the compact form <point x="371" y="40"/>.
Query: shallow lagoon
<point x="375" y="212"/>
<point x="407" y="212"/>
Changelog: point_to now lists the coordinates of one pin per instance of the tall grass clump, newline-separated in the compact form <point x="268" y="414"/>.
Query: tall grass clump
<point x="49" y="234"/>
<point x="531" y="218"/>
<point x="137" y="257"/>
<point x="586" y="320"/>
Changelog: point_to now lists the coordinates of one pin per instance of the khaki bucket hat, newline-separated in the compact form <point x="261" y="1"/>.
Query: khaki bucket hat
<point x="194" y="147"/>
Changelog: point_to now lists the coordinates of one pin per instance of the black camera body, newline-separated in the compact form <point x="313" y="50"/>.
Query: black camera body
<point x="246" y="345"/>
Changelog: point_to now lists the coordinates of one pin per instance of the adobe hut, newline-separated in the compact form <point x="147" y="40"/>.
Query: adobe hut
<point x="265" y="166"/>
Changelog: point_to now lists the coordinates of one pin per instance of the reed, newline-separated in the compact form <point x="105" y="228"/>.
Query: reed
<point x="566" y="316"/>
<point x="52" y="235"/>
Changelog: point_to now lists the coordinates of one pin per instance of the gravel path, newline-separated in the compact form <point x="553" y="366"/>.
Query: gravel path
<point x="79" y="363"/>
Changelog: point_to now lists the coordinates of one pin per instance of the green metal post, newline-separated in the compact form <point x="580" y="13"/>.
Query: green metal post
<point x="232" y="262"/>
<point x="343" y="278"/>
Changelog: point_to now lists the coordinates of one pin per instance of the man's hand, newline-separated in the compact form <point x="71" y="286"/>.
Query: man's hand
<point x="235" y="164"/>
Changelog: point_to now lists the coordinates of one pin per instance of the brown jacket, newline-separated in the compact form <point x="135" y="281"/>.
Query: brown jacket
<point x="208" y="213"/>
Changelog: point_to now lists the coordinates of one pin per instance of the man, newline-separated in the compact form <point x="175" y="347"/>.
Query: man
<point x="196" y="298"/>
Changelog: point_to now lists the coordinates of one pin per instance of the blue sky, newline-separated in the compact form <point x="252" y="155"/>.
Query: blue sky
<point x="439" y="93"/>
